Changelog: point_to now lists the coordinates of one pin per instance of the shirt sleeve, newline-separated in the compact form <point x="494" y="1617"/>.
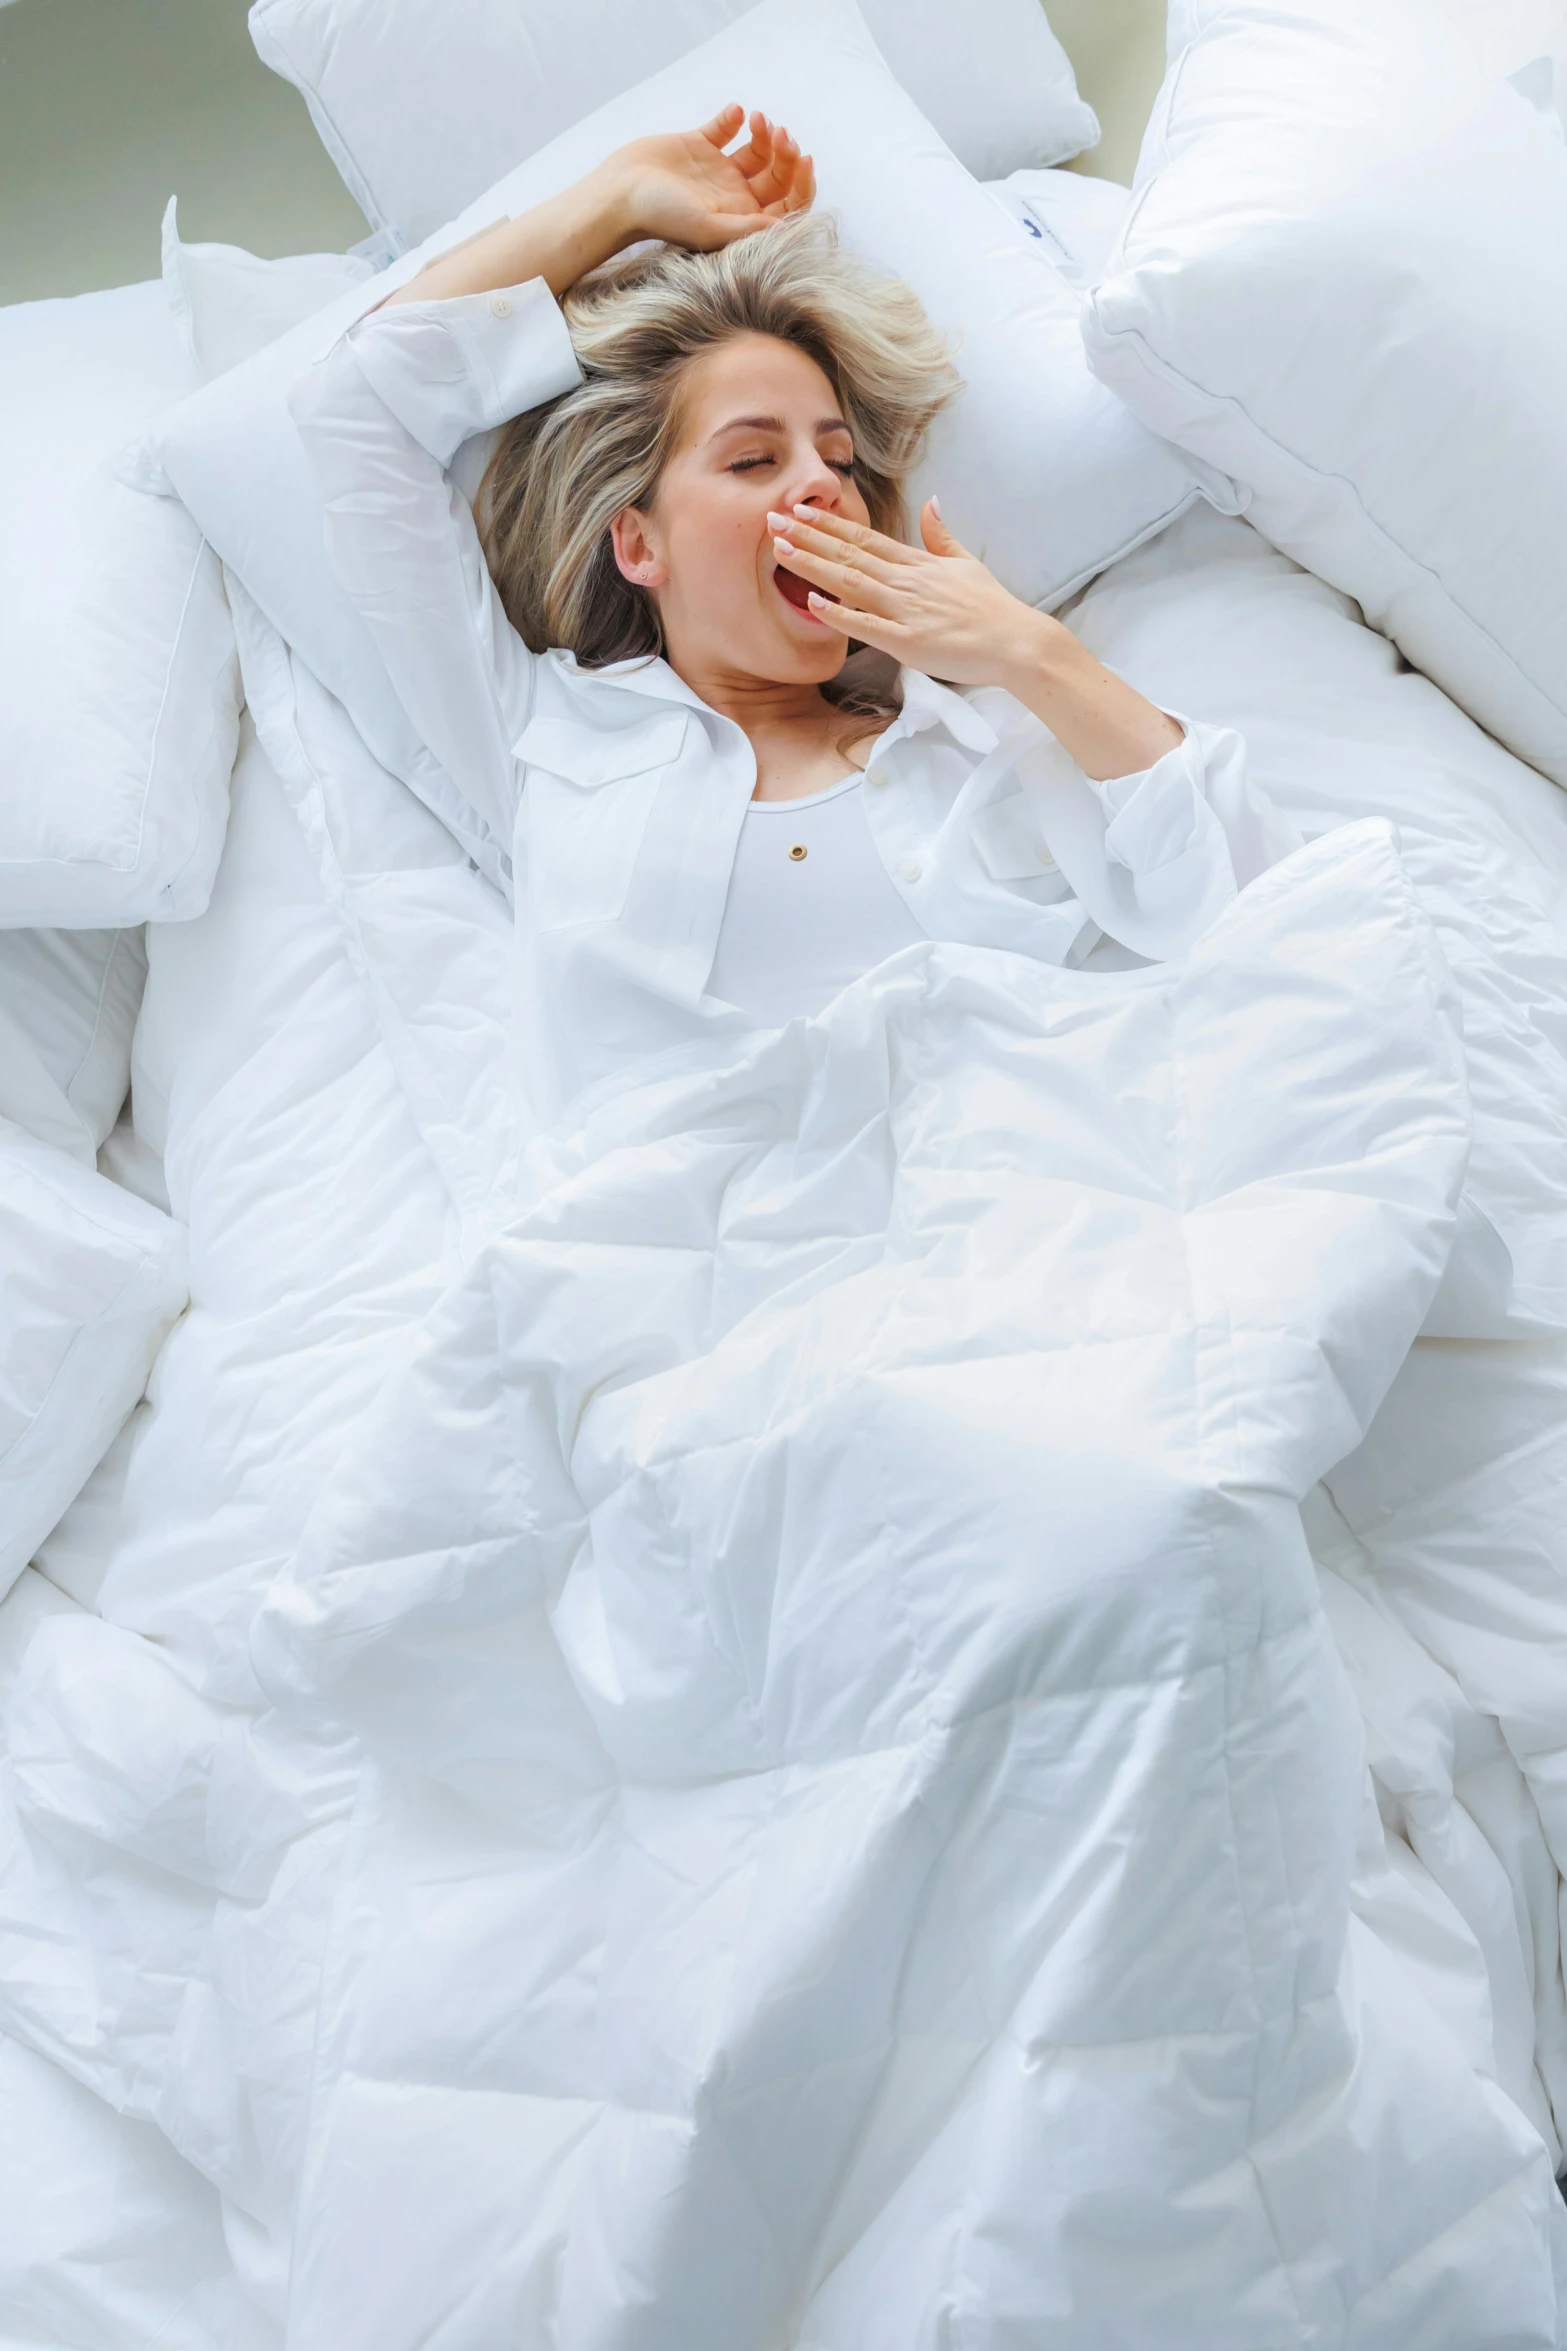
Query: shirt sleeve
<point x="382" y="415"/>
<point x="1153" y="857"/>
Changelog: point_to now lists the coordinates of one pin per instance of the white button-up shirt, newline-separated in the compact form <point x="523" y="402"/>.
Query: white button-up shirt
<point x="623" y="795"/>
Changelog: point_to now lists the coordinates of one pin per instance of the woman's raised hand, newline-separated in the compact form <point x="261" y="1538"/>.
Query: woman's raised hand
<point x="686" y="190"/>
<point x="683" y="189"/>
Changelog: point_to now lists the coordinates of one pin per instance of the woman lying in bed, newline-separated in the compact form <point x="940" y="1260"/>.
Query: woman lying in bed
<point x="695" y="629"/>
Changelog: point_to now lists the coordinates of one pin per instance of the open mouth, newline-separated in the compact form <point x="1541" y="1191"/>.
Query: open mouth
<point x="796" y="591"/>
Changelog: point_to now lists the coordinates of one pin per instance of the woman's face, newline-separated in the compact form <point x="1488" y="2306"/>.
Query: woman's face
<point x="760" y="432"/>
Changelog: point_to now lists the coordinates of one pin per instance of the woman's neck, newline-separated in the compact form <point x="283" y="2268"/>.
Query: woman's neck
<point x="793" y="731"/>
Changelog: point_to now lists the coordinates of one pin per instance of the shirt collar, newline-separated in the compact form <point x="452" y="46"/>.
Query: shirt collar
<point x="926" y="702"/>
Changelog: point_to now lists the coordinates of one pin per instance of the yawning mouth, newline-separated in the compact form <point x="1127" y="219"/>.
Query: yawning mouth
<point x="794" y="590"/>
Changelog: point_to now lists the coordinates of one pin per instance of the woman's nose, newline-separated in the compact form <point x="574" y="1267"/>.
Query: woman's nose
<point x="817" y="485"/>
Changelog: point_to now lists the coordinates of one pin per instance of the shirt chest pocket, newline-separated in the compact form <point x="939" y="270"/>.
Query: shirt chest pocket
<point x="587" y="798"/>
<point x="1010" y="843"/>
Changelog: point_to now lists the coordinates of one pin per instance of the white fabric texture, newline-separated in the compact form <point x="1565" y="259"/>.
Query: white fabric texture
<point x="622" y="796"/>
<point x="1039" y="469"/>
<point x="1076" y="218"/>
<point x="68" y="1006"/>
<point x="118" y="685"/>
<point x="294" y="1050"/>
<point x="92" y="1281"/>
<point x="765" y="1616"/>
<point x="167" y="1864"/>
<point x="228" y="303"/>
<point x="106" y="2237"/>
<point x="1344" y="282"/>
<point x="421" y="106"/>
<point x="810" y="906"/>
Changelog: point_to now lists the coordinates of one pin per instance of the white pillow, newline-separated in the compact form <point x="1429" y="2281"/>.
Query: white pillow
<point x="1076" y="218"/>
<point x="1344" y="281"/>
<point x="93" y="1281"/>
<point x="1040" y="469"/>
<point x="68" y="1006"/>
<point x="422" y="103"/>
<point x="119" y="690"/>
<point x="228" y="303"/>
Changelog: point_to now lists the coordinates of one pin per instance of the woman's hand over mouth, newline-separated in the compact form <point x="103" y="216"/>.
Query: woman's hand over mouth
<point x="934" y="608"/>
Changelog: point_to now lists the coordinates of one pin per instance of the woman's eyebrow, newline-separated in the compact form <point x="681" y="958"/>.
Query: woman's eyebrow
<point x="774" y="424"/>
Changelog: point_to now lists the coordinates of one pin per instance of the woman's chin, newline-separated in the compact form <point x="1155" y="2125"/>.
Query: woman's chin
<point x="813" y="651"/>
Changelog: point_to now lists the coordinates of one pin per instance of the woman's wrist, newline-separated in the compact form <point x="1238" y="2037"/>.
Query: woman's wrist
<point x="1037" y="656"/>
<point x="559" y="241"/>
<point x="1099" y="720"/>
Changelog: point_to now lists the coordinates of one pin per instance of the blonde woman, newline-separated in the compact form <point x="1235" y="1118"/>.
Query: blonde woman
<point x="685" y="661"/>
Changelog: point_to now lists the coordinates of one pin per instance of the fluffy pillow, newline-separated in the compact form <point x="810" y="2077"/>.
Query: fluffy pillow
<point x="1040" y="469"/>
<point x="228" y="303"/>
<point x="68" y="1006"/>
<point x="422" y="104"/>
<point x="93" y="1281"/>
<point x="1344" y="281"/>
<point x="118" y="686"/>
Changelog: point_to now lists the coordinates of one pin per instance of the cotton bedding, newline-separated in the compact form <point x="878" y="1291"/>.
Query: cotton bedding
<point x="795" y="1778"/>
<point x="901" y="1688"/>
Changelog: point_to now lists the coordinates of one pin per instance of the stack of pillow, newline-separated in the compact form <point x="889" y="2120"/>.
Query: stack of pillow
<point x="119" y="715"/>
<point x="1343" y="280"/>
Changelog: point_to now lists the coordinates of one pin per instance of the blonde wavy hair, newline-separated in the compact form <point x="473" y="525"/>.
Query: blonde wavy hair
<point x="561" y="473"/>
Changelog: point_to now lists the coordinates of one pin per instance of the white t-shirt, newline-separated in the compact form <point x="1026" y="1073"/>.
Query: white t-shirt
<point x="810" y="906"/>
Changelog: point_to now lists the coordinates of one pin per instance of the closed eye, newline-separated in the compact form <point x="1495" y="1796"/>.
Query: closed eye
<point x="843" y="465"/>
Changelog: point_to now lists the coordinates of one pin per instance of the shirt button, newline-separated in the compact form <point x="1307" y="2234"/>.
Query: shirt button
<point x="911" y="871"/>
<point x="876" y="778"/>
<point x="1043" y="855"/>
<point x="499" y="306"/>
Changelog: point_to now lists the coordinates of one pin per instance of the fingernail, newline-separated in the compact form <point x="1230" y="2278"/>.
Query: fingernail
<point x="935" y="507"/>
<point x="780" y="522"/>
<point x="807" y="513"/>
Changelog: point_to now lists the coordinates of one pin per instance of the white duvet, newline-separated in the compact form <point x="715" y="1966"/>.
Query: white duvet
<point x="844" y="1674"/>
<point x="802" y="1779"/>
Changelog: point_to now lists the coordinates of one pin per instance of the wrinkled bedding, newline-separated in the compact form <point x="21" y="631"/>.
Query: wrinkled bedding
<point x="879" y="1696"/>
<point x="828" y="1609"/>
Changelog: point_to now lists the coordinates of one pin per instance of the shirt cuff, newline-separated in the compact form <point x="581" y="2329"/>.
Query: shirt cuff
<point x="1152" y="816"/>
<point x="448" y="370"/>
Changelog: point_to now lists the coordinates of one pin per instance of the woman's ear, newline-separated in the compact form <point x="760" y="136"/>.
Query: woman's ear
<point x="636" y="557"/>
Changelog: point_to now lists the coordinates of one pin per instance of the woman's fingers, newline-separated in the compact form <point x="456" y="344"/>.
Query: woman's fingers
<point x="723" y="126"/>
<point x="849" y="583"/>
<point x="771" y="164"/>
<point x="834" y="534"/>
<point x="873" y="627"/>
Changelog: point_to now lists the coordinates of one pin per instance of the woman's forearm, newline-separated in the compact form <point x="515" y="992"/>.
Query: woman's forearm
<point x="1097" y="718"/>
<point x="558" y="241"/>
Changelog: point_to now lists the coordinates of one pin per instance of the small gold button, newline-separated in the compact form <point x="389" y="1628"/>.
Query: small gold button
<point x="798" y="851"/>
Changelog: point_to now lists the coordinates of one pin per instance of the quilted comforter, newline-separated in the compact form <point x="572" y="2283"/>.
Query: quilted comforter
<point x="864" y="1804"/>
